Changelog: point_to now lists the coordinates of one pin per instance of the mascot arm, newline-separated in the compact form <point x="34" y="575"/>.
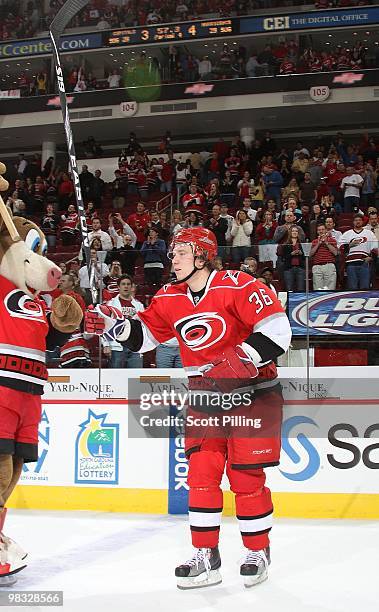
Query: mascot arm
<point x="66" y="317"/>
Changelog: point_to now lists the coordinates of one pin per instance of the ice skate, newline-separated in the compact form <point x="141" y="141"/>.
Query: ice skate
<point x="12" y="547"/>
<point x="10" y="560"/>
<point x="201" y="570"/>
<point x="254" y="567"/>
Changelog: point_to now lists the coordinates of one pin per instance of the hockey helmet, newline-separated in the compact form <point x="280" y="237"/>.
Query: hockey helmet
<point x="202" y="241"/>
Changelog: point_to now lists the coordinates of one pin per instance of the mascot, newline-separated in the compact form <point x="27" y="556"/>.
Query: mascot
<point x="27" y="329"/>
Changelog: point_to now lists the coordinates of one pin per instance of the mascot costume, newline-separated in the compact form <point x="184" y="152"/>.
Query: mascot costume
<point x="27" y="329"/>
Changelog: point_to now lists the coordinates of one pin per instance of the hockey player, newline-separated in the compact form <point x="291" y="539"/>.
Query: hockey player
<point x="230" y="329"/>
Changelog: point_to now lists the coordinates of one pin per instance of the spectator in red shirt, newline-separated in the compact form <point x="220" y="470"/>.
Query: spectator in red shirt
<point x="65" y="191"/>
<point x="287" y="66"/>
<point x="323" y="253"/>
<point x="194" y="201"/>
<point x="167" y="176"/>
<point x="138" y="221"/>
<point x="222" y="150"/>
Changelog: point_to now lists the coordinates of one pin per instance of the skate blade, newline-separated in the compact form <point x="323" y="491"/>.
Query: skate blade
<point x="7" y="581"/>
<point x="15" y="571"/>
<point x="201" y="581"/>
<point x="251" y="581"/>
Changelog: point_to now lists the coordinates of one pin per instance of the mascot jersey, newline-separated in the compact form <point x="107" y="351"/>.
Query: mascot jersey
<point x="233" y="307"/>
<point x="23" y="331"/>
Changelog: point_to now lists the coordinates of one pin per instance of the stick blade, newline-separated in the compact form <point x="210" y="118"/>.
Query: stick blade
<point x="65" y="14"/>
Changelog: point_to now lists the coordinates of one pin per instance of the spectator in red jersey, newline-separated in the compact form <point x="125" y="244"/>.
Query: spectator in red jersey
<point x="244" y="185"/>
<point x="167" y="176"/>
<point x="90" y="214"/>
<point x="138" y="221"/>
<point x="232" y="163"/>
<point x="65" y="191"/>
<point x="327" y="61"/>
<point x="323" y="254"/>
<point x="194" y="201"/>
<point x="111" y="280"/>
<point x="335" y="175"/>
<point x="143" y="189"/>
<point x="69" y="225"/>
<point x="222" y="150"/>
<point x="287" y="66"/>
<point x="212" y="168"/>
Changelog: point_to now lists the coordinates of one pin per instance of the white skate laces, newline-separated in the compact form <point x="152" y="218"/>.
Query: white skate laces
<point x="202" y="555"/>
<point x="254" y="557"/>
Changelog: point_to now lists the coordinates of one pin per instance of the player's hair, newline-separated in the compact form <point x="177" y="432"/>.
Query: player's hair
<point x="123" y="277"/>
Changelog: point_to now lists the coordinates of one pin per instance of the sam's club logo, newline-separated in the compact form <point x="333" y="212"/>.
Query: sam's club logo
<point x="96" y="451"/>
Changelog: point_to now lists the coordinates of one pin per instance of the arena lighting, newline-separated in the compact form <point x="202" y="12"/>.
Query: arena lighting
<point x="198" y="88"/>
<point x="348" y="78"/>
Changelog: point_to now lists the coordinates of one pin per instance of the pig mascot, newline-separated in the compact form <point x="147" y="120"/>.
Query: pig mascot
<point x="26" y="331"/>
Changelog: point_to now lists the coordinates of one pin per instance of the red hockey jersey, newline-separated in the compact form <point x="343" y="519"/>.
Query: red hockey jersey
<point x="233" y="306"/>
<point x="23" y="331"/>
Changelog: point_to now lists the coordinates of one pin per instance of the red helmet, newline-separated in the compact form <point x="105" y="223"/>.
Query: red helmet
<point x="202" y="240"/>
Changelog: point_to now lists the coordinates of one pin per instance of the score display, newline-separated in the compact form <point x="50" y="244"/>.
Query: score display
<point x="171" y="32"/>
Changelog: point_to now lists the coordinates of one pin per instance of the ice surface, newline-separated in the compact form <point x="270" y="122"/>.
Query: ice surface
<point x="121" y="563"/>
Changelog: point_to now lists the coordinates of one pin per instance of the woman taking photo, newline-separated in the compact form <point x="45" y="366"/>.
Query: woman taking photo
<point x="242" y="228"/>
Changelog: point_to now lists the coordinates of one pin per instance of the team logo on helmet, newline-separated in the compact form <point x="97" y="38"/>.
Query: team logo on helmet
<point x="201" y="331"/>
<point x="18" y="304"/>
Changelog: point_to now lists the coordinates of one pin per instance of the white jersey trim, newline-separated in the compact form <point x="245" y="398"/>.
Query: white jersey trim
<point x="11" y="349"/>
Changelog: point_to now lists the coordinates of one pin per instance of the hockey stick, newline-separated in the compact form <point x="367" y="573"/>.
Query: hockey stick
<point x="57" y="26"/>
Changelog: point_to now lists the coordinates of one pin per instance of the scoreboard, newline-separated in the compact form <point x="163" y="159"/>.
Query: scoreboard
<point x="171" y="33"/>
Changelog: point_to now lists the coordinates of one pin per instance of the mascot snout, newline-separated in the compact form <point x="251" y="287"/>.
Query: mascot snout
<point x="53" y="277"/>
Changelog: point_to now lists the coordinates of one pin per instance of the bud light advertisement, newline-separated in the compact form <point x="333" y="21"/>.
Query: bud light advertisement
<point x="342" y="313"/>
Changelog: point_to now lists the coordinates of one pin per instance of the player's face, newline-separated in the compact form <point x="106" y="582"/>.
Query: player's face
<point x="182" y="260"/>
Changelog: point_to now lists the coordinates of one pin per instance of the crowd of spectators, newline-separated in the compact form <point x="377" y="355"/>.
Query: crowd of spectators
<point x="27" y="19"/>
<point x="230" y="62"/>
<point x="263" y="202"/>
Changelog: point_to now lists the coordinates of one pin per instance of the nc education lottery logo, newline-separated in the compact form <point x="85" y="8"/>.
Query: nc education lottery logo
<point x="97" y="451"/>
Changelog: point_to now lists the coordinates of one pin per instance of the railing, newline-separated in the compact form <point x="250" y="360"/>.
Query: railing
<point x="165" y="204"/>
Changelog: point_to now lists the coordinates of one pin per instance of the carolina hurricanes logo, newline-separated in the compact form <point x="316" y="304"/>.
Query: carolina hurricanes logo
<point x="18" y="304"/>
<point x="201" y="331"/>
<point x="360" y="240"/>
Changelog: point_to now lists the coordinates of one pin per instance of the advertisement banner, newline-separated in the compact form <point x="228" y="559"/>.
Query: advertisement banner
<point x="42" y="46"/>
<point x="316" y="19"/>
<point x="342" y="313"/>
<point x="11" y="93"/>
<point x="178" y="470"/>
